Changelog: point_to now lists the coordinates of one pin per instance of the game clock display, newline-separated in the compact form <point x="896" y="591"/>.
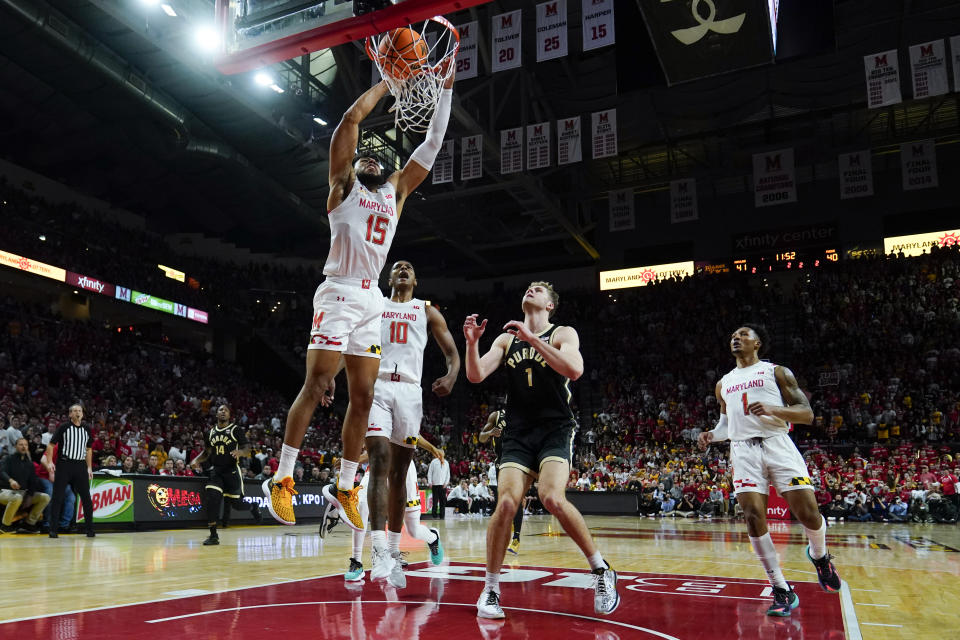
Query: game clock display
<point x="787" y="260"/>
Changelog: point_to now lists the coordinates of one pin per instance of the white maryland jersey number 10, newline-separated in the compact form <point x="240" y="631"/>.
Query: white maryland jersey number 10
<point x="403" y="338"/>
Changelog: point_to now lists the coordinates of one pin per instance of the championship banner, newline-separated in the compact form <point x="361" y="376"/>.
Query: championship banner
<point x="443" y="165"/>
<point x="471" y="157"/>
<point x="883" y="79"/>
<point x="698" y="39"/>
<point x="683" y="200"/>
<point x="568" y="141"/>
<point x="538" y="145"/>
<point x="551" y="30"/>
<point x="506" y="41"/>
<point x="856" y="174"/>
<point x="955" y="56"/>
<point x="14" y="261"/>
<point x="598" y="25"/>
<point x="622" y="215"/>
<point x="773" y="178"/>
<point x="928" y="64"/>
<point x="112" y="500"/>
<point x="467" y="55"/>
<point x="604" y="125"/>
<point x="511" y="150"/>
<point x="919" y="162"/>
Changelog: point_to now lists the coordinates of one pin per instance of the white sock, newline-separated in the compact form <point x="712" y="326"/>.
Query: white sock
<point x="379" y="539"/>
<point x="596" y="561"/>
<point x="493" y="582"/>
<point x="358" y="538"/>
<point x="348" y="471"/>
<point x="411" y="519"/>
<point x="818" y="539"/>
<point x="767" y="553"/>
<point x="393" y="542"/>
<point x="288" y="458"/>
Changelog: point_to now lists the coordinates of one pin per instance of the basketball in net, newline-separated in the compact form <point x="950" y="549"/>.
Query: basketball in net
<point x="414" y="63"/>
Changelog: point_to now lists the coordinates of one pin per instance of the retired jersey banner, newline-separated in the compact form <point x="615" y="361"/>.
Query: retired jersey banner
<point x="538" y="145"/>
<point x="955" y="57"/>
<point x="683" y="200"/>
<point x="506" y="41"/>
<point x="471" y="157"/>
<point x="443" y="166"/>
<point x="883" y="79"/>
<point x="598" y="25"/>
<point x="467" y="55"/>
<point x="551" y="30"/>
<point x="928" y="64"/>
<point x="622" y="215"/>
<point x="511" y="150"/>
<point x="919" y="162"/>
<point x="774" y="181"/>
<point x="604" y="126"/>
<point x="568" y="141"/>
<point x="856" y="175"/>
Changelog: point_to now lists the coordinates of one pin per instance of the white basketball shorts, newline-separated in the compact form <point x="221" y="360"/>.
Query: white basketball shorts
<point x="413" y="494"/>
<point x="761" y="462"/>
<point x="396" y="412"/>
<point x="346" y="317"/>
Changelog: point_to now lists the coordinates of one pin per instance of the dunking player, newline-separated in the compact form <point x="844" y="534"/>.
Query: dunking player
<point x="364" y="209"/>
<point x="540" y="360"/>
<point x="224" y="445"/>
<point x="493" y="430"/>
<point x="394" y="424"/>
<point x="757" y="400"/>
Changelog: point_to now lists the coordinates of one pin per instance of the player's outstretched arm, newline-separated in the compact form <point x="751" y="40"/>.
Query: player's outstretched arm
<point x="478" y="368"/>
<point x="422" y="159"/>
<point x="427" y="446"/>
<point x="563" y="355"/>
<point x="343" y="144"/>
<point x="441" y="333"/>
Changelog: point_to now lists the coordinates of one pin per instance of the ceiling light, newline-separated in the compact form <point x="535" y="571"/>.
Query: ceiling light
<point x="207" y="38"/>
<point x="276" y="88"/>
<point x="43" y="238"/>
<point x="167" y="9"/>
<point x="320" y="121"/>
<point x="263" y="79"/>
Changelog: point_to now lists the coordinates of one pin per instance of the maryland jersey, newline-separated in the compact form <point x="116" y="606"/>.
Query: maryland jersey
<point x="403" y="332"/>
<point x="534" y="390"/>
<point x="742" y="387"/>
<point x="361" y="232"/>
<point x="224" y="440"/>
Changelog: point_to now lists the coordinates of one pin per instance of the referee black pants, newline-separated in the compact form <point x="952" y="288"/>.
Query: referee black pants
<point x="439" y="500"/>
<point x="74" y="474"/>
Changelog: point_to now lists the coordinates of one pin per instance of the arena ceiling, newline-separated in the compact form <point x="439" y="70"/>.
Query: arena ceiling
<point x="111" y="98"/>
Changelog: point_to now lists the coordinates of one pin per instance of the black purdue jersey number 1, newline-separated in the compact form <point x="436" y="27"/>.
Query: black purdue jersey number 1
<point x="535" y="390"/>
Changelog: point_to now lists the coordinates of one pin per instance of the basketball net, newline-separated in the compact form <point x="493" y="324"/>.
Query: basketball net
<point x="417" y="95"/>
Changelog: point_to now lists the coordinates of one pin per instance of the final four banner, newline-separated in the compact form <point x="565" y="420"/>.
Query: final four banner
<point x="919" y="162"/>
<point x="551" y="30"/>
<point x="443" y="166"/>
<point x="604" y="126"/>
<point x="928" y="64"/>
<point x="774" y="181"/>
<point x="599" y="28"/>
<point x="471" y="160"/>
<point x="538" y="145"/>
<point x="622" y="215"/>
<point x="569" y="141"/>
<point x="467" y="55"/>
<point x="856" y="175"/>
<point x="506" y="40"/>
<point x="883" y="79"/>
<point x="683" y="200"/>
<point x="511" y="150"/>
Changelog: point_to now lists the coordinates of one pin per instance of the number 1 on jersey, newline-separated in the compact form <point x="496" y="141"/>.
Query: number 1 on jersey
<point x="529" y="377"/>
<point x="746" y="411"/>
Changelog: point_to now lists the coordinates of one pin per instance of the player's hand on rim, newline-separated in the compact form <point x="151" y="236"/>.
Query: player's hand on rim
<point x="471" y="330"/>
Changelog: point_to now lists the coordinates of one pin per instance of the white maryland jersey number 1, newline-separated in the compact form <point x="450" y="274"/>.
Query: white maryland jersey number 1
<point x="403" y="338"/>
<point x="743" y="387"/>
<point x="361" y="232"/>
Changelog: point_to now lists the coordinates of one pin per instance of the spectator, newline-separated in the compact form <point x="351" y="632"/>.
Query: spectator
<point x="20" y="487"/>
<point x="898" y="510"/>
<point x="460" y="499"/>
<point x="438" y="476"/>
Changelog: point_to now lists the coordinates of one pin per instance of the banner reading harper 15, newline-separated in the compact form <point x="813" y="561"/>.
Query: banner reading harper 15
<point x="467" y="55"/>
<point x="919" y="163"/>
<point x="538" y="145"/>
<point x="506" y="41"/>
<point x="683" y="200"/>
<point x="856" y="175"/>
<point x="773" y="178"/>
<point x="598" y="24"/>
<point x="471" y="157"/>
<point x="551" y="30"/>
<point x="568" y="141"/>
<point x="622" y="216"/>
<point x="604" y="125"/>
<point x="883" y="79"/>
<point x="511" y="150"/>
<point x="928" y="64"/>
<point x="443" y="166"/>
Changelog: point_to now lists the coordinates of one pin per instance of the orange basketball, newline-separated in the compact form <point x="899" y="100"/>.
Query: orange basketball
<point x="403" y="52"/>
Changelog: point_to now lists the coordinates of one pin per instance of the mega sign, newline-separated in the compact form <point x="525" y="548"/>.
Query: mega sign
<point x="920" y="243"/>
<point x="642" y="276"/>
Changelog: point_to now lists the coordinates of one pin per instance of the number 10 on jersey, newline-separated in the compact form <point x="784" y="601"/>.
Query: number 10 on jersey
<point x="398" y="332"/>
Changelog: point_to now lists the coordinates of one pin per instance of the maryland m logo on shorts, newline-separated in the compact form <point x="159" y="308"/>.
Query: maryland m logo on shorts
<point x="412" y="440"/>
<point x="800" y="481"/>
<point x="374" y="348"/>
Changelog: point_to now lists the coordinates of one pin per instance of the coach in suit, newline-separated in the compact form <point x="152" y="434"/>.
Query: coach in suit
<point x="74" y="467"/>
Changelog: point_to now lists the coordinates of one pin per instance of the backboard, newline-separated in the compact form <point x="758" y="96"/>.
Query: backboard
<point x="256" y="33"/>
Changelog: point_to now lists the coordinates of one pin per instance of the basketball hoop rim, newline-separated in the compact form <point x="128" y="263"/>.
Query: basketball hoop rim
<point x="378" y="60"/>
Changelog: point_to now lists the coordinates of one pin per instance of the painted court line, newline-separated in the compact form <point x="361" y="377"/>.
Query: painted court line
<point x="849" y="614"/>
<point x="867" y="604"/>
<point x="880" y="624"/>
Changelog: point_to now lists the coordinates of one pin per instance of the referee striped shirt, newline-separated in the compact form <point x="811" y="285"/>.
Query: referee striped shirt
<point x="73" y="441"/>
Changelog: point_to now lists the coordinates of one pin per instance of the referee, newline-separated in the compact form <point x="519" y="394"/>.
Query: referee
<point x="74" y="467"/>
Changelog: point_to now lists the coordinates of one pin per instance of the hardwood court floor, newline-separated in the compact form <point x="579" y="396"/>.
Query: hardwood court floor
<point x="903" y="579"/>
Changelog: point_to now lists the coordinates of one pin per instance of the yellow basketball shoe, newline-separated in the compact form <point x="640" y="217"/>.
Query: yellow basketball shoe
<point x="514" y="547"/>
<point x="279" y="497"/>
<point x="348" y="504"/>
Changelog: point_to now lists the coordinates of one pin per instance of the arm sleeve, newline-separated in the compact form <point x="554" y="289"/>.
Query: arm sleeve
<point x="720" y="432"/>
<point x="426" y="153"/>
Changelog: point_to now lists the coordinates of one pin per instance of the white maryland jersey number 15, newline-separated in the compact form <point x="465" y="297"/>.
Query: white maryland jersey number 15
<point x="741" y="388"/>
<point x="403" y="338"/>
<point x="361" y="232"/>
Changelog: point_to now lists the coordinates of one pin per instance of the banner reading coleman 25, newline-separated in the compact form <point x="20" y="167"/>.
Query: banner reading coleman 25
<point x="773" y="178"/>
<point x="467" y="55"/>
<point x="506" y="41"/>
<point x="112" y="500"/>
<point x="928" y="62"/>
<point x="642" y="276"/>
<point x="551" y="30"/>
<point x="883" y="78"/>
